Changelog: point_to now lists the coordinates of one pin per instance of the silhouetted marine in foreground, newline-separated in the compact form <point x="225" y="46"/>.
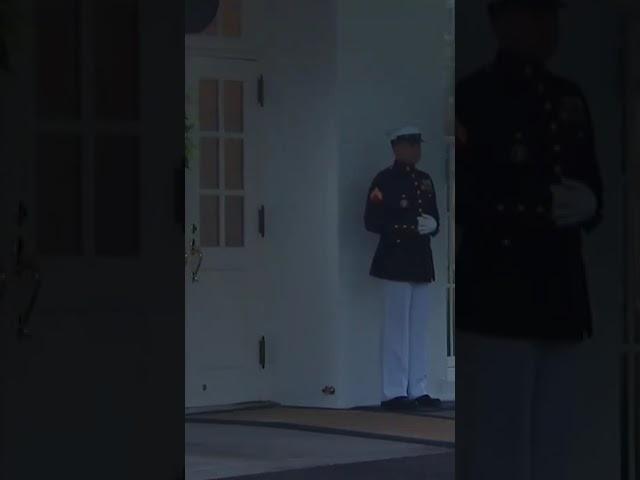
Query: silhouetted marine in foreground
<point x="527" y="187"/>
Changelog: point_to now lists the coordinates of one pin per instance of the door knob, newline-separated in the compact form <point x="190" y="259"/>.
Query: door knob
<point x="197" y="251"/>
<point x="24" y="319"/>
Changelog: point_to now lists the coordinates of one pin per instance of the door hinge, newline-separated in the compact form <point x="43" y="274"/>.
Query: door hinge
<point x="261" y="221"/>
<point x="263" y="352"/>
<point x="261" y="91"/>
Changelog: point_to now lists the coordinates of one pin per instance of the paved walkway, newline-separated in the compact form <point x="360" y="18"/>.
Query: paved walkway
<point x="226" y="451"/>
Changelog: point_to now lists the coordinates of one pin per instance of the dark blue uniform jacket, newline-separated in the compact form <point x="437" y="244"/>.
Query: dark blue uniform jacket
<point x="517" y="273"/>
<point x="396" y="197"/>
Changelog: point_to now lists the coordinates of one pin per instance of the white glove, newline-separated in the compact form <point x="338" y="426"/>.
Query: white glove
<point x="426" y="224"/>
<point x="573" y="203"/>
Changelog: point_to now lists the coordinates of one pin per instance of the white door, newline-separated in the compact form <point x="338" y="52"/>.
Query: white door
<point x="223" y="238"/>
<point x="86" y="375"/>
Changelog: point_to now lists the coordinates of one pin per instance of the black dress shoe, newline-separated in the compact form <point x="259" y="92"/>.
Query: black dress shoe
<point x="426" y="401"/>
<point x="399" y="403"/>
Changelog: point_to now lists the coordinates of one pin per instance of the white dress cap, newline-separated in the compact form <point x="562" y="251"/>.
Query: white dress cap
<point x="399" y="132"/>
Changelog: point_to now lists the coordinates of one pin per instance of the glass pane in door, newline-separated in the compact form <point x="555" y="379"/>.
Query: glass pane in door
<point x="117" y="195"/>
<point x="233" y="106"/>
<point x="234" y="164"/>
<point x="231" y="18"/>
<point x="58" y="59"/>
<point x="234" y="221"/>
<point x="209" y="220"/>
<point x="228" y="20"/>
<point x="116" y="61"/>
<point x="209" y="163"/>
<point x="59" y="195"/>
<point x="208" y="103"/>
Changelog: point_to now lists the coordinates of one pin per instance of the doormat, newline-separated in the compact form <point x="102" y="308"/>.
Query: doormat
<point x="426" y="430"/>
<point x="229" y="408"/>
<point x="446" y="410"/>
<point x="432" y="467"/>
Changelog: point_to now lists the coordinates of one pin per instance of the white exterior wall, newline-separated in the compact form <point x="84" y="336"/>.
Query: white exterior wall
<point x="299" y="176"/>
<point x="391" y="71"/>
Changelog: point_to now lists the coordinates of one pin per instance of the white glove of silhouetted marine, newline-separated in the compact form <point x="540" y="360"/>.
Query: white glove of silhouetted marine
<point x="573" y="203"/>
<point x="427" y="224"/>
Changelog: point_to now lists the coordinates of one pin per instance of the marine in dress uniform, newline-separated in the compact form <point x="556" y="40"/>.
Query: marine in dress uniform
<point x="401" y="208"/>
<point x="527" y="187"/>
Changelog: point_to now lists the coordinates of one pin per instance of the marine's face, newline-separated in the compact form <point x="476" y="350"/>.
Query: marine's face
<point x="533" y="31"/>
<point x="408" y="152"/>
